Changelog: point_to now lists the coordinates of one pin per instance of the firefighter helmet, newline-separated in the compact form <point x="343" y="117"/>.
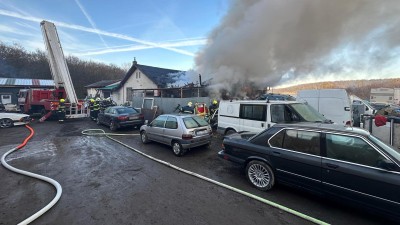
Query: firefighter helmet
<point x="215" y="102"/>
<point x="190" y="104"/>
<point x="62" y="100"/>
<point x="91" y="100"/>
<point x="98" y="99"/>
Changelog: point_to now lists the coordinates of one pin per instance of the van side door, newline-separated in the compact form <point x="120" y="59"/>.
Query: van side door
<point x="253" y="117"/>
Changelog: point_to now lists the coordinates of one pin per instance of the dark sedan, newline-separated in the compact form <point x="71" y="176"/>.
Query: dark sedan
<point x="336" y="161"/>
<point x="120" y="116"/>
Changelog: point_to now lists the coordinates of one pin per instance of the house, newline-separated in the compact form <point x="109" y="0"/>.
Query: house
<point x="97" y="89"/>
<point x="10" y="87"/>
<point x="139" y="78"/>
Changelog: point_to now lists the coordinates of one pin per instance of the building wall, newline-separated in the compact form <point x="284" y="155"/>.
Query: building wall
<point x="91" y="92"/>
<point x="13" y="91"/>
<point x="137" y="80"/>
<point x="382" y="95"/>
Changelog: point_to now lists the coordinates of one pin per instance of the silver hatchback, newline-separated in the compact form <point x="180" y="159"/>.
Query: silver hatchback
<point x="181" y="131"/>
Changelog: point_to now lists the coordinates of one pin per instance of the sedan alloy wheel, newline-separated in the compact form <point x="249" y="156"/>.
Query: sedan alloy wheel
<point x="4" y="123"/>
<point x="260" y="175"/>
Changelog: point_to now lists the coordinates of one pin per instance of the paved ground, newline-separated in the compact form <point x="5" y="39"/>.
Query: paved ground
<point x="106" y="183"/>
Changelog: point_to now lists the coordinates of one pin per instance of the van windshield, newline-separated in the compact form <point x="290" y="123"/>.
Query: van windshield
<point x="308" y="113"/>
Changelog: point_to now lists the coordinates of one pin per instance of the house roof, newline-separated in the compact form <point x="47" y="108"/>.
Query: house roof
<point x="13" y="82"/>
<point x="109" y="87"/>
<point x="101" y="83"/>
<point x="160" y="76"/>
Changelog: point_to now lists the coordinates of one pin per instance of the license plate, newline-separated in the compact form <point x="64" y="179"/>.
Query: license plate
<point x="201" y="132"/>
<point x="133" y="117"/>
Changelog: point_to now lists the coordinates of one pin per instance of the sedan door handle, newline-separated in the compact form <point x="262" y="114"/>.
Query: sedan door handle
<point x="333" y="166"/>
<point x="276" y="153"/>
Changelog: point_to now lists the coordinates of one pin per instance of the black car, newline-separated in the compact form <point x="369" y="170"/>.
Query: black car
<point x="120" y="116"/>
<point x="342" y="162"/>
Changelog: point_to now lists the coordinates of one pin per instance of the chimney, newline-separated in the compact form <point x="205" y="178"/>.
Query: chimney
<point x="134" y="61"/>
<point x="200" y="80"/>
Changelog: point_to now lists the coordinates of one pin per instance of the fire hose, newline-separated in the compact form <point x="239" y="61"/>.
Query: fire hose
<point x="100" y="132"/>
<point x="34" y="175"/>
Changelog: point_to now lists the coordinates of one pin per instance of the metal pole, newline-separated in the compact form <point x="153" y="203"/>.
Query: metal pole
<point x="370" y="124"/>
<point x="391" y="131"/>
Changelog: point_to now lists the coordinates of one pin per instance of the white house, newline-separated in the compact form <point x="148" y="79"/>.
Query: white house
<point x="141" y="77"/>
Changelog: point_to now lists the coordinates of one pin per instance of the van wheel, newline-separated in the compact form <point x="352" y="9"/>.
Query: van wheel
<point x="177" y="149"/>
<point x="260" y="175"/>
<point x="229" y="132"/>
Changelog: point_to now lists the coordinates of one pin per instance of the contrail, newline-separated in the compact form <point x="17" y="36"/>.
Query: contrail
<point x="90" y="20"/>
<point x="141" y="47"/>
<point x="91" y="30"/>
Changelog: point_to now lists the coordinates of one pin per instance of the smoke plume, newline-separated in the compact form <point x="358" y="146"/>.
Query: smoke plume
<point x="285" y="42"/>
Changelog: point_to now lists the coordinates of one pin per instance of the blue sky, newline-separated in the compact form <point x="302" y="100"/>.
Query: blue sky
<point x="159" y="33"/>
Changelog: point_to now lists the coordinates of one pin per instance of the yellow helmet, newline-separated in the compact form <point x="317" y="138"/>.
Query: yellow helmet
<point x="91" y="100"/>
<point x="62" y="100"/>
<point x="215" y="102"/>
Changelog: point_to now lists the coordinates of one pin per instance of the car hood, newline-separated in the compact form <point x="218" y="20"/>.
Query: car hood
<point x="12" y="115"/>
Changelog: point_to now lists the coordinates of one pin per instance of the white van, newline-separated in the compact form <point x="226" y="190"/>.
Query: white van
<point x="334" y="104"/>
<point x="256" y="115"/>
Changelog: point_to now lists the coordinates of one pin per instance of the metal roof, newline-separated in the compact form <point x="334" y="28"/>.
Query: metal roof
<point x="11" y="82"/>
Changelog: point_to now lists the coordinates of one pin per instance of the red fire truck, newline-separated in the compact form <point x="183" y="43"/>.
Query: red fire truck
<point x="46" y="101"/>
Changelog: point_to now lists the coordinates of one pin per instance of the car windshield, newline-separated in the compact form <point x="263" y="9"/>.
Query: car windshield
<point x="386" y="147"/>
<point x="126" y="110"/>
<point x="194" y="121"/>
<point x="308" y="113"/>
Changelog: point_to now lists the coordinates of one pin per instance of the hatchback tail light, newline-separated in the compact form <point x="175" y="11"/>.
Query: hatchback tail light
<point x="187" y="136"/>
<point x="122" y="118"/>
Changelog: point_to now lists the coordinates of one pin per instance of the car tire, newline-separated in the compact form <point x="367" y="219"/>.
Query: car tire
<point x="144" y="138"/>
<point x="5" y="123"/>
<point x="177" y="149"/>
<point x="113" y="126"/>
<point x="260" y="175"/>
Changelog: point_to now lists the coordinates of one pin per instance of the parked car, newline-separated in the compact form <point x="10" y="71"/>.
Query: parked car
<point x="344" y="163"/>
<point x="120" y="116"/>
<point x="13" y="119"/>
<point x="181" y="131"/>
<point x="379" y="105"/>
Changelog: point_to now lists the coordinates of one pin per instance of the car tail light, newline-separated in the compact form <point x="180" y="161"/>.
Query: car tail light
<point x="187" y="136"/>
<point x="122" y="118"/>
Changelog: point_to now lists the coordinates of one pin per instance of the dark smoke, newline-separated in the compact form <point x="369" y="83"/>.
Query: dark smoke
<point x="283" y="42"/>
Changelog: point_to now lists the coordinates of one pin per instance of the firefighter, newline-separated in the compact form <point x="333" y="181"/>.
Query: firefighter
<point x="61" y="110"/>
<point x="213" y="107"/>
<point x="188" y="108"/>
<point x="91" y="107"/>
<point x="96" y="108"/>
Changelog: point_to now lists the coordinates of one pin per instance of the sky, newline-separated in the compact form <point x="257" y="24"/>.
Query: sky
<point x="263" y="43"/>
<point x="160" y="33"/>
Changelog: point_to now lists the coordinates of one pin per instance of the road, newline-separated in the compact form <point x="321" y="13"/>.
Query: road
<point x="106" y="183"/>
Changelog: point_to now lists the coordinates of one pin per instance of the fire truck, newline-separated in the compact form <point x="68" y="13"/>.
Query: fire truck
<point x="46" y="101"/>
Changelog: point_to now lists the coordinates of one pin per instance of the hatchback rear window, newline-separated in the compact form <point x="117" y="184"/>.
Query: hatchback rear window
<point x="195" y="121"/>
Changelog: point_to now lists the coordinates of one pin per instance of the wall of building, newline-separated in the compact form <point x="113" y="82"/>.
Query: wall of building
<point x="13" y="91"/>
<point x="168" y="105"/>
<point x="137" y="80"/>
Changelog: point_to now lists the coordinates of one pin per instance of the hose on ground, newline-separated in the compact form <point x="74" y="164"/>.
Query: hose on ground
<point x="100" y="132"/>
<point x="34" y="175"/>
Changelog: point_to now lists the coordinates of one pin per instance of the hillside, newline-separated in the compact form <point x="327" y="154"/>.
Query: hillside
<point x="361" y="88"/>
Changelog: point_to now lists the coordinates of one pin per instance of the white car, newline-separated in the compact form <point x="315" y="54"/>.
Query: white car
<point x="13" y="119"/>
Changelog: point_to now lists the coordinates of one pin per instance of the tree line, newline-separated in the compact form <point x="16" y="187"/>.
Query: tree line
<point x="16" y="62"/>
